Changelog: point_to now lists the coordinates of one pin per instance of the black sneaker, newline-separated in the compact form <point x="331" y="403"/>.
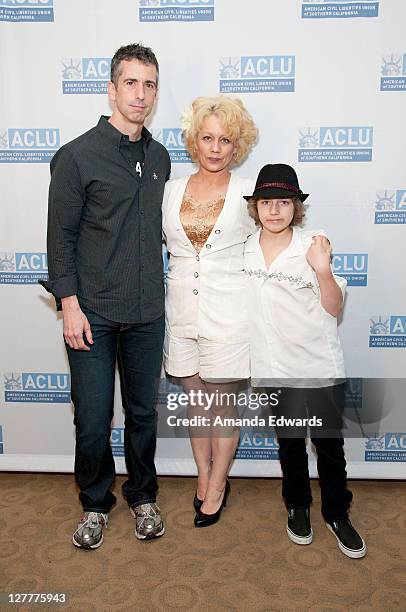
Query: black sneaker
<point x="299" y="528"/>
<point x="349" y="541"/>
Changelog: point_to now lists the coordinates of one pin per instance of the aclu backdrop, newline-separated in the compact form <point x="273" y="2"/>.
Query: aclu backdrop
<point x="326" y="84"/>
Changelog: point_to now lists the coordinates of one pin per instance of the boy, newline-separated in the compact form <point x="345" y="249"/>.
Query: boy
<point x="294" y="300"/>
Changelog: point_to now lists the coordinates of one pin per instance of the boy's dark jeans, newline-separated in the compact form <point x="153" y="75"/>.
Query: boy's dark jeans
<point x="327" y="404"/>
<point x="138" y="350"/>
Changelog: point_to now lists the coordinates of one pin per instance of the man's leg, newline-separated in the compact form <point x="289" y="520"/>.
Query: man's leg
<point x="92" y="384"/>
<point x="140" y="359"/>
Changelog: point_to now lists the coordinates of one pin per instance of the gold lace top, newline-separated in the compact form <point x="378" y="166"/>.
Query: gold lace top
<point x="199" y="218"/>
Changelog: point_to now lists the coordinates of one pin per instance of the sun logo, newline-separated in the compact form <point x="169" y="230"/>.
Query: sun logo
<point x="3" y="139"/>
<point x="12" y="382"/>
<point x="7" y="262"/>
<point x="391" y="65"/>
<point x="229" y="68"/>
<point x="385" y="200"/>
<point x="375" y="443"/>
<point x="379" y="327"/>
<point x="71" y="70"/>
<point x="308" y="138"/>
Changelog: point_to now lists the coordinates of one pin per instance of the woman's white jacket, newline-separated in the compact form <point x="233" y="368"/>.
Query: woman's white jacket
<point x="206" y="291"/>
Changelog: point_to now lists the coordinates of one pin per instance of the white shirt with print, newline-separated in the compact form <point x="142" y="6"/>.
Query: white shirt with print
<point x="294" y="340"/>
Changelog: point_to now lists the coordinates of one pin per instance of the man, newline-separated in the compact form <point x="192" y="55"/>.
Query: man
<point x="105" y="271"/>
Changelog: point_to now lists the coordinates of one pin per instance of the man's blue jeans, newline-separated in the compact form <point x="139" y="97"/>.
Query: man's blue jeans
<point x="138" y="351"/>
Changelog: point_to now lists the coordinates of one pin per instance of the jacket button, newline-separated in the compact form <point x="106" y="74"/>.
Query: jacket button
<point x="208" y="246"/>
<point x="195" y="291"/>
<point x="196" y="274"/>
<point x="217" y="231"/>
<point x="197" y="258"/>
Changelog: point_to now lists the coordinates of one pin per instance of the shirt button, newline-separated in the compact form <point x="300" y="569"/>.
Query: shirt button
<point x="197" y="258"/>
<point x="195" y="291"/>
<point x="196" y="274"/>
<point x="141" y="212"/>
<point x="208" y="246"/>
<point x="217" y="231"/>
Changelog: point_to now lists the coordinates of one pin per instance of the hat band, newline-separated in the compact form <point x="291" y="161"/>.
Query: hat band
<point x="286" y="186"/>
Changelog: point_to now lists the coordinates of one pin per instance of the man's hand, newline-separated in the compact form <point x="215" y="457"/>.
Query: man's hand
<point x="75" y="324"/>
<point x="318" y="255"/>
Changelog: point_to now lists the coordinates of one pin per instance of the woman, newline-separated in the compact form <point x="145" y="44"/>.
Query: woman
<point x="206" y="223"/>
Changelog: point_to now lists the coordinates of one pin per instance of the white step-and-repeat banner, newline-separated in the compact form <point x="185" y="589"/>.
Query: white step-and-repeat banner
<point x="326" y="84"/>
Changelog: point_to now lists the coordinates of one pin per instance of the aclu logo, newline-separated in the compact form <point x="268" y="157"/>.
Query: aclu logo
<point x="39" y="387"/>
<point x="172" y="139"/>
<point x="28" y="145"/>
<point x="386" y="447"/>
<point x="257" y="73"/>
<point x="117" y="441"/>
<point x="335" y="144"/>
<point x="351" y="266"/>
<point x="23" y="268"/>
<point x="176" y="10"/>
<point x="257" y="445"/>
<point x="390" y="207"/>
<point x="26" y="10"/>
<point x="341" y="9"/>
<point x="86" y="75"/>
<point x="393" y="71"/>
<point x="387" y="331"/>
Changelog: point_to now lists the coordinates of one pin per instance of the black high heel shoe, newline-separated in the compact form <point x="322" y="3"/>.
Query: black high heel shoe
<point x="197" y="503"/>
<point x="204" y="520"/>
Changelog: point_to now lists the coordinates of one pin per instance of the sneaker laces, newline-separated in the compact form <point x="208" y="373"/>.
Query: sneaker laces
<point x="92" y="520"/>
<point x="147" y="511"/>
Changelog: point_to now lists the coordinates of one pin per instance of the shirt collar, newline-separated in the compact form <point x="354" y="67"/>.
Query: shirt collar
<point x="114" y="135"/>
<point x="296" y="246"/>
<point x="294" y="249"/>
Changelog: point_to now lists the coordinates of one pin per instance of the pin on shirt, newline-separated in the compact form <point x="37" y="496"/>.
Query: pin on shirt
<point x="138" y="168"/>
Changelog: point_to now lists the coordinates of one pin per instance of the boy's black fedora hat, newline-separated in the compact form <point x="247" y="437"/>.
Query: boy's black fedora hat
<point x="277" y="181"/>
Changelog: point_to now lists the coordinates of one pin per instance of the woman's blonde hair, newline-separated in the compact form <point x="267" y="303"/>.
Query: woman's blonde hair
<point x="234" y="117"/>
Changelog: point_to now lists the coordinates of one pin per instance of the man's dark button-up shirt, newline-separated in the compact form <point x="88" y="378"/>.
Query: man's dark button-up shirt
<point x="104" y="225"/>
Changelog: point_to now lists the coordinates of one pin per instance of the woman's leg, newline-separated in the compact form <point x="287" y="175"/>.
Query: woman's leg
<point x="224" y="441"/>
<point x="199" y="436"/>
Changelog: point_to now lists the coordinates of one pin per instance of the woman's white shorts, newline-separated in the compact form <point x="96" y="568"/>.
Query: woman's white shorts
<point x="213" y="361"/>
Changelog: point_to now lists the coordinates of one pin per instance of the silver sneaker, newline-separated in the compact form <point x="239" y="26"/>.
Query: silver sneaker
<point x="148" y="521"/>
<point x="89" y="532"/>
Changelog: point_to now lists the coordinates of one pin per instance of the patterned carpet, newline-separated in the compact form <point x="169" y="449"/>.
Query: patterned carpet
<point x="244" y="563"/>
